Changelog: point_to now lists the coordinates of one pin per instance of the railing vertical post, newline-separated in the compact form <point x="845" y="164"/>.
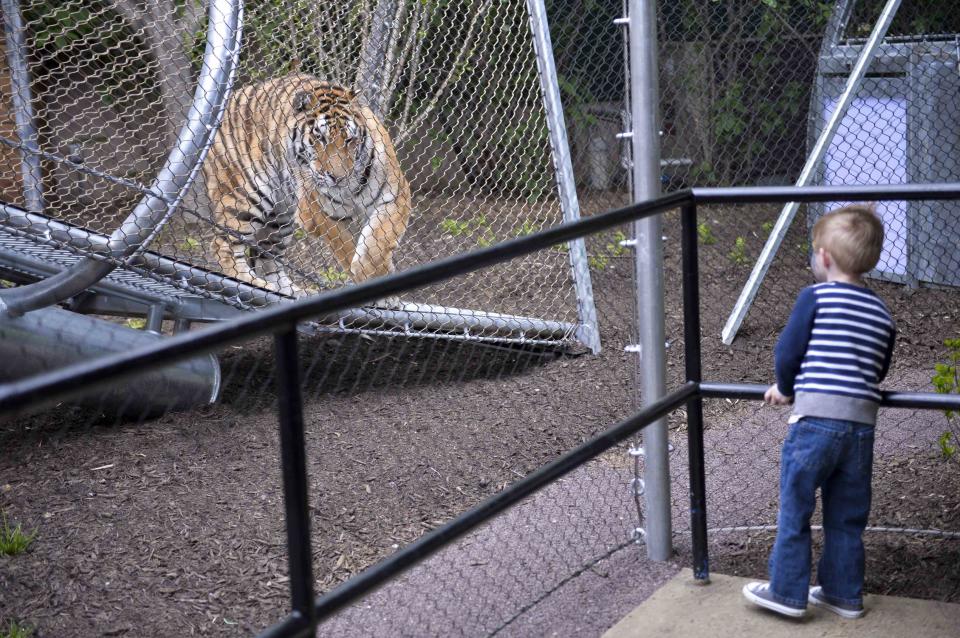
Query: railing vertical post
<point x="691" y="339"/>
<point x="294" y="468"/>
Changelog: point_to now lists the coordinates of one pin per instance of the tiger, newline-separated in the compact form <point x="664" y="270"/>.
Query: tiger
<point x="299" y="152"/>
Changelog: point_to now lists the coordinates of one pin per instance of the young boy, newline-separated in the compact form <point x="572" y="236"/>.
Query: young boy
<point x="830" y="359"/>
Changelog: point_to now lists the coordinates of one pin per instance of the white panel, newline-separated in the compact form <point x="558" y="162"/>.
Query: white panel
<point x="870" y="147"/>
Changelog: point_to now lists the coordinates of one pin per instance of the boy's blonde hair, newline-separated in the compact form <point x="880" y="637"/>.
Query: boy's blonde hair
<point x="853" y="235"/>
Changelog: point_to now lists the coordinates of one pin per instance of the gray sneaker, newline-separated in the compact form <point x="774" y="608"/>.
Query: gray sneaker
<point x="760" y="594"/>
<point x="818" y="598"/>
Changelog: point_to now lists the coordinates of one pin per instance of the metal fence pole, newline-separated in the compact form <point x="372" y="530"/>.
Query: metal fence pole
<point x="294" y="468"/>
<point x="588" y="334"/>
<point x="691" y="340"/>
<point x="645" y="138"/>
<point x="14" y="29"/>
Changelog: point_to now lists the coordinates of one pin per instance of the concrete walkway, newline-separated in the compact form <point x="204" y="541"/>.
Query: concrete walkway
<point x="684" y="609"/>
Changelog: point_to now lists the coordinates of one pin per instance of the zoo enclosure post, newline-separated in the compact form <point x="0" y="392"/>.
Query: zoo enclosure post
<point x="648" y="245"/>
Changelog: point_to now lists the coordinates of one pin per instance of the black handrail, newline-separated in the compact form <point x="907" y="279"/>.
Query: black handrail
<point x="281" y="322"/>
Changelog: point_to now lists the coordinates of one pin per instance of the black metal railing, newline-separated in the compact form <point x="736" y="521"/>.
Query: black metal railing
<point x="281" y="322"/>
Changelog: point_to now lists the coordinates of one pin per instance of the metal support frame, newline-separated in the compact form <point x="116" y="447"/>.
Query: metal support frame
<point x="588" y="332"/>
<point x="174" y="179"/>
<point x="21" y="96"/>
<point x="749" y="292"/>
<point x="645" y="147"/>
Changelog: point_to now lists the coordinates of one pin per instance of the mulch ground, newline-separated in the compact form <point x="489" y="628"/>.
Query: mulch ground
<point x="175" y="526"/>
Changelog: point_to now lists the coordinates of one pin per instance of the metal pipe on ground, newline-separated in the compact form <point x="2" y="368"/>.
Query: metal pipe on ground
<point x="52" y="338"/>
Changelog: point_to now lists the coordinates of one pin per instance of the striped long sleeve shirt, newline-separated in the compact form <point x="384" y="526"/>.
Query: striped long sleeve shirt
<point x="835" y="351"/>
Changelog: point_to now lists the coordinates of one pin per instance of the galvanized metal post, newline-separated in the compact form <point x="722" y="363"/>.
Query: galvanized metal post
<point x="14" y="29"/>
<point x="645" y="138"/>
<point x="588" y="333"/>
<point x="749" y="292"/>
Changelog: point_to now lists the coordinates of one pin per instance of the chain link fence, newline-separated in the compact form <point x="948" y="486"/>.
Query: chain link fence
<point x="407" y="430"/>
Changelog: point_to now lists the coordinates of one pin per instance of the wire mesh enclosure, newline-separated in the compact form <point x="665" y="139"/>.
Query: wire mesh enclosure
<point x="360" y="138"/>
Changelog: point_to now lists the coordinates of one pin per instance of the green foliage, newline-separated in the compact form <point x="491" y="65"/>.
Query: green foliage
<point x="705" y="233"/>
<point x="946" y="380"/>
<point x="767" y="228"/>
<point x="486" y="238"/>
<point x="190" y="243"/>
<point x="947" y="449"/>
<point x="136" y="323"/>
<point x="13" y="540"/>
<point x="739" y="253"/>
<point x="16" y="630"/>
<point x="93" y="27"/>
<point x="597" y="261"/>
<point x="732" y="81"/>
<point x="526" y="228"/>
<point x="332" y="275"/>
<point x="454" y="227"/>
<point x="615" y="247"/>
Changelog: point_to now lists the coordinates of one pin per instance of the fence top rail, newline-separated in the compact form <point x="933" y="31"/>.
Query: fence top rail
<point x="784" y="194"/>
<point x="922" y="400"/>
<point x="73" y="380"/>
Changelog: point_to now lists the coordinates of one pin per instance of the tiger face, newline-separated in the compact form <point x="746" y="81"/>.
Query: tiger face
<point x="327" y="140"/>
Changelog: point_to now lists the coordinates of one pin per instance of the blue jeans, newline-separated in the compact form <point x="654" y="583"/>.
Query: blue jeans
<point x="837" y="457"/>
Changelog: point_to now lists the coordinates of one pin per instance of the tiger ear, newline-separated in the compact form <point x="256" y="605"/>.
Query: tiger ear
<point x="301" y="101"/>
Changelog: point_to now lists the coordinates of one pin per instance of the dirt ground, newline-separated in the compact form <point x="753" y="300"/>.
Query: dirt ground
<point x="175" y="526"/>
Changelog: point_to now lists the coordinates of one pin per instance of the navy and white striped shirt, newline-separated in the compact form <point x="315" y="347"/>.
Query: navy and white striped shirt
<point x="835" y="351"/>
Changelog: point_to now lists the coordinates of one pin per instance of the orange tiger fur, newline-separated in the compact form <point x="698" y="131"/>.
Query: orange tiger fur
<point x="300" y="151"/>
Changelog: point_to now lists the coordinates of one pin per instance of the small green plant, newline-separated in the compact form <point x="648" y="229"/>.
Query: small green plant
<point x="947" y="449"/>
<point x="597" y="261"/>
<point x="526" y="228"/>
<point x="16" y="630"/>
<point x="615" y="247"/>
<point x="739" y="253"/>
<point x="299" y="234"/>
<point x="563" y="249"/>
<point x="767" y="228"/>
<point x="190" y="243"/>
<point x="13" y="540"/>
<point x="454" y="227"/>
<point x="946" y="380"/>
<point x="332" y="276"/>
<point x="136" y="323"/>
<point x="478" y="221"/>
<point x="804" y="248"/>
<point x="705" y="233"/>
<point x="486" y="238"/>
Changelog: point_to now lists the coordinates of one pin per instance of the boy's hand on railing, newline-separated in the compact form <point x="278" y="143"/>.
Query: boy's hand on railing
<point x="773" y="396"/>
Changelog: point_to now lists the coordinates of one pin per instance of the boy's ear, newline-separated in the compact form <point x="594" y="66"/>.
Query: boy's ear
<point x="825" y="256"/>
